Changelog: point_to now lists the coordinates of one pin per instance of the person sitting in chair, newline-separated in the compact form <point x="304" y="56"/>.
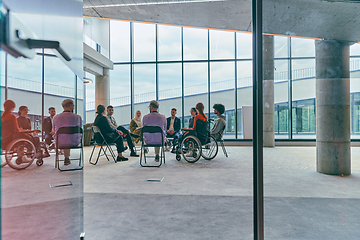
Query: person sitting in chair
<point x="154" y="119"/>
<point x="24" y="123"/>
<point x="127" y="135"/>
<point x="67" y="119"/>
<point x="193" y="115"/>
<point x="111" y="135"/>
<point x="135" y="125"/>
<point x="220" y="122"/>
<point x="47" y="127"/>
<point x="173" y="128"/>
<point x="10" y="127"/>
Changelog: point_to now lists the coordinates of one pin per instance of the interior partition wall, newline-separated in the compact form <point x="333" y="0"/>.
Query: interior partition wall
<point x="180" y="66"/>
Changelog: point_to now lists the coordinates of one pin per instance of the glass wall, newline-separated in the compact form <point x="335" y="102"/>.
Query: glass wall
<point x="39" y="83"/>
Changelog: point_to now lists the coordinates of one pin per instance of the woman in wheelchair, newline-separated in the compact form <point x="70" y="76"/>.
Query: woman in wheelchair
<point x="21" y="147"/>
<point x="192" y="141"/>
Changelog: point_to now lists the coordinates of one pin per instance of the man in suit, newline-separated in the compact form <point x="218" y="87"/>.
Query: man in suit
<point x="173" y="128"/>
<point x="48" y="126"/>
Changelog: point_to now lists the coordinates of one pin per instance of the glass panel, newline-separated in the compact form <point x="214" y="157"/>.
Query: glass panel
<point x="281" y="116"/>
<point x="24" y="87"/>
<point x="80" y="104"/>
<point x="144" y="42"/>
<point x="244" y="45"/>
<point x="119" y="41"/>
<point x="222" y="45"/>
<point x="222" y="91"/>
<point x="244" y="92"/>
<point x="169" y="43"/>
<point x="170" y="88"/>
<point x="59" y="80"/>
<point x="281" y="47"/>
<point x="355" y="49"/>
<point x="2" y="63"/>
<point x="301" y="47"/>
<point x="195" y="44"/>
<point x="195" y="87"/>
<point x="90" y="97"/>
<point x="303" y="75"/>
<point x="120" y="93"/>
<point x="144" y="87"/>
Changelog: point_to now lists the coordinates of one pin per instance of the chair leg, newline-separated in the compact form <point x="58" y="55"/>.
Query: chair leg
<point x="141" y="154"/>
<point x="56" y="157"/>
<point x="92" y="155"/>
<point x="223" y="148"/>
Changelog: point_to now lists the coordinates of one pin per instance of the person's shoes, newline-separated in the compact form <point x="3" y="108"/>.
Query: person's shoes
<point x="121" y="159"/>
<point x="51" y="146"/>
<point x="157" y="158"/>
<point x="133" y="154"/>
<point x="173" y="150"/>
<point x="146" y="150"/>
<point x="67" y="161"/>
<point x="134" y="135"/>
<point x="166" y="149"/>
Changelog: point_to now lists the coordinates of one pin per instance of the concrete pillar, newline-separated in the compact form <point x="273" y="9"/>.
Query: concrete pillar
<point x="268" y="91"/>
<point x="102" y="89"/>
<point x="332" y="107"/>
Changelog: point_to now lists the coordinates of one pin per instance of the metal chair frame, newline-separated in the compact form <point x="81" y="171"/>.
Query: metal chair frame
<point x="152" y="129"/>
<point x="69" y="130"/>
<point x="104" y="146"/>
<point x="221" y="141"/>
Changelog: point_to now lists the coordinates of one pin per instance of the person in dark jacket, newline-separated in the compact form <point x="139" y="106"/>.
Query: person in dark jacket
<point x="193" y="113"/>
<point x="173" y="128"/>
<point x="47" y="126"/>
<point x="111" y="135"/>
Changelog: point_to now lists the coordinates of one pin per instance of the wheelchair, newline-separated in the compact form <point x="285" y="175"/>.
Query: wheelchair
<point x="197" y="143"/>
<point x="21" y="152"/>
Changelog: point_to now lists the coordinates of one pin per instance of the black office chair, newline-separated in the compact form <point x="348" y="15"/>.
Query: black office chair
<point x="69" y="131"/>
<point x="104" y="146"/>
<point x="152" y="130"/>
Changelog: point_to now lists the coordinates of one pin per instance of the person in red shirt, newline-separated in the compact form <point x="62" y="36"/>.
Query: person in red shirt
<point x="191" y="131"/>
<point x="9" y="124"/>
<point x="10" y="129"/>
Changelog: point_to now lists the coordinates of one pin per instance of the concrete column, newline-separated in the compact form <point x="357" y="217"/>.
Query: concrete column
<point x="268" y="91"/>
<point x="102" y="88"/>
<point x="332" y="107"/>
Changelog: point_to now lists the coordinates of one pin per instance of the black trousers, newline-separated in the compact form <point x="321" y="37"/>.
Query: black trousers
<point x="128" y="138"/>
<point x="119" y="144"/>
<point x="175" y="137"/>
<point x="48" y="138"/>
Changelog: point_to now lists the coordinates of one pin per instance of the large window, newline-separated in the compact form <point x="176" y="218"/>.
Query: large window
<point x="144" y="42"/>
<point x="120" y="41"/>
<point x="169" y="43"/>
<point x="170" y="91"/>
<point x="180" y="66"/>
<point x="195" y="43"/>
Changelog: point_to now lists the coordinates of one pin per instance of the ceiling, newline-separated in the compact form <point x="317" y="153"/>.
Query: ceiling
<point x="328" y="19"/>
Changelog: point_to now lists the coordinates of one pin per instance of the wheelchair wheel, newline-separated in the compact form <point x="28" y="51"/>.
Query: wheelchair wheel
<point x="191" y="149"/>
<point x="210" y="150"/>
<point x="20" y="153"/>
